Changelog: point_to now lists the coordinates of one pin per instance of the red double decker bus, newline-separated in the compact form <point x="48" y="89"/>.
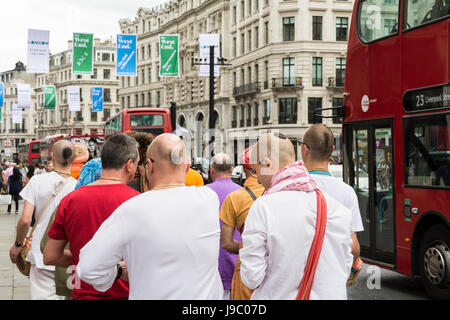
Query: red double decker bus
<point x="151" y="120"/>
<point x="396" y="135"/>
<point x="29" y="152"/>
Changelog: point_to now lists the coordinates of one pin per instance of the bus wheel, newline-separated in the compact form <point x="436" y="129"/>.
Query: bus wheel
<point x="435" y="262"/>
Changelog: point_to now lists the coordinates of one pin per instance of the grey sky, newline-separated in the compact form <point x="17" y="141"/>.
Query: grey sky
<point x="62" y="18"/>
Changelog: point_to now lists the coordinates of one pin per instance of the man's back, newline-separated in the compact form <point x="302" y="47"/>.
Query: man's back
<point x="284" y="223"/>
<point x="169" y="240"/>
<point x="79" y="216"/>
<point x="343" y="193"/>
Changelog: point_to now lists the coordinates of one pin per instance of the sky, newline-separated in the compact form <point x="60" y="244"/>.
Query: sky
<point x="61" y="18"/>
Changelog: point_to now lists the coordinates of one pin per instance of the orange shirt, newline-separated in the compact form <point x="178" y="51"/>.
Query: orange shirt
<point x="236" y="206"/>
<point x="193" y="178"/>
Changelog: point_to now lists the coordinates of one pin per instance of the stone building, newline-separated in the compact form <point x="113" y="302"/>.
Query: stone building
<point x="12" y="135"/>
<point x="63" y="121"/>
<point x="287" y="59"/>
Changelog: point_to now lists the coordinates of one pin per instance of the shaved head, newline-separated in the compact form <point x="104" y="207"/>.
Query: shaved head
<point x="277" y="147"/>
<point x="320" y="139"/>
<point x="221" y="163"/>
<point x="167" y="149"/>
<point x="64" y="152"/>
<point x="271" y="153"/>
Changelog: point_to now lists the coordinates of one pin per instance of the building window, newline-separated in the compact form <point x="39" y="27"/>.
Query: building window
<point x="106" y="73"/>
<point x="93" y="116"/>
<point x="249" y="40"/>
<point x="234" y="14"/>
<point x="158" y="99"/>
<point x="340" y="72"/>
<point x="242" y="9"/>
<point x="234" y="48"/>
<point x="266" y="74"/>
<point x="94" y="76"/>
<point x="249" y="74"/>
<point x="149" y="75"/>
<point x="317" y="72"/>
<point x="288" y="72"/>
<point x="317" y="28"/>
<point x="250" y="7"/>
<point x="242" y="43"/>
<point x="266" y="32"/>
<point x="287" y="110"/>
<point x="256" y="119"/>
<point x="337" y="102"/>
<point x="242" y="116"/>
<point x="143" y="76"/>
<point x="149" y="99"/>
<point x="288" y="29"/>
<point x="313" y="104"/>
<point x="341" y="29"/>
<point x="149" y="51"/>
<point x="249" y="115"/>
<point x="256" y="37"/>
<point x="107" y="94"/>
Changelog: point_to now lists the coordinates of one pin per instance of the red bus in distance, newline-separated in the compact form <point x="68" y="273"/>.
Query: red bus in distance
<point x="150" y="120"/>
<point x="29" y="153"/>
<point x="396" y="137"/>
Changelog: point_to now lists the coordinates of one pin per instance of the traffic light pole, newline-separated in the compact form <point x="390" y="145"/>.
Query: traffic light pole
<point x="211" y="101"/>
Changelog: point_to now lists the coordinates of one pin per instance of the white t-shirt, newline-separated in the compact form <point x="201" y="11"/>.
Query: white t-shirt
<point x="343" y="193"/>
<point x="38" y="191"/>
<point x="277" y="238"/>
<point x="169" y="240"/>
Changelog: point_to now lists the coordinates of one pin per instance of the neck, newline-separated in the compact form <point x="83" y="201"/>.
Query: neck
<point x="223" y="176"/>
<point x="317" y="166"/>
<point x="61" y="169"/>
<point x="167" y="182"/>
<point x="112" y="176"/>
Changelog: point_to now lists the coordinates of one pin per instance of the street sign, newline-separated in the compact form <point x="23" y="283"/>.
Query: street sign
<point x="169" y="55"/>
<point x="49" y="97"/>
<point x="126" y="55"/>
<point x="83" y="53"/>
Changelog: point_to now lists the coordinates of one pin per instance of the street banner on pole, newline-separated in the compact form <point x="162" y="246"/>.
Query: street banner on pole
<point x="97" y="99"/>
<point x="16" y="114"/>
<point x="83" y="53"/>
<point x="23" y="96"/>
<point x="49" y="97"/>
<point x="205" y="41"/>
<point x="38" y="51"/>
<point x="73" y="98"/>
<point x="2" y="93"/>
<point x="169" y="55"/>
<point x="126" y="55"/>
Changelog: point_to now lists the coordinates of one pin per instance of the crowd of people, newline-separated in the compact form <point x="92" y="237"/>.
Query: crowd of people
<point x="139" y="223"/>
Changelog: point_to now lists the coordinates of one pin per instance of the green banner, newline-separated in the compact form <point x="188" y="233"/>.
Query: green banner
<point x="83" y="53"/>
<point x="49" y="97"/>
<point x="169" y="55"/>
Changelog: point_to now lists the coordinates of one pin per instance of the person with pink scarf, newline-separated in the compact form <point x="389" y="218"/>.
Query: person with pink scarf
<point x="281" y="225"/>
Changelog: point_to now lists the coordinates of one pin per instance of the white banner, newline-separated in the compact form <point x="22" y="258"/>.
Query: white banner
<point x="16" y="114"/>
<point x="23" y="95"/>
<point x="73" y="98"/>
<point x="205" y="41"/>
<point x="38" y="51"/>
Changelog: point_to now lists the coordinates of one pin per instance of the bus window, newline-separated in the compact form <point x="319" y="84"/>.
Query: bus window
<point x="377" y="19"/>
<point x="418" y="12"/>
<point x="35" y="147"/>
<point x="427" y="154"/>
<point x="146" y="120"/>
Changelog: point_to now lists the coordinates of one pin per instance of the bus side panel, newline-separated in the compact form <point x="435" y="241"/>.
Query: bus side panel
<point x="427" y="72"/>
<point x="356" y="75"/>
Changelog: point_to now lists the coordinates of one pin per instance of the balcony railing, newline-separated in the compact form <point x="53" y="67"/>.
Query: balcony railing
<point x="17" y="130"/>
<point x="339" y="83"/>
<point x="234" y="123"/>
<point x="249" y="122"/>
<point x="248" y="88"/>
<point x="241" y="123"/>
<point x="287" y="82"/>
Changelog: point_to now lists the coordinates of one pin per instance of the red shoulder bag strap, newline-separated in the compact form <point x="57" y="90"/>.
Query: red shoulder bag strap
<point x="316" y="248"/>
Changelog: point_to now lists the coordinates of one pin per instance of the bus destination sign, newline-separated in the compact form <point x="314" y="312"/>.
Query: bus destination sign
<point x="436" y="97"/>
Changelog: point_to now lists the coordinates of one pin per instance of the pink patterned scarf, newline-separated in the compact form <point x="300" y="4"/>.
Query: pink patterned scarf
<point x="293" y="177"/>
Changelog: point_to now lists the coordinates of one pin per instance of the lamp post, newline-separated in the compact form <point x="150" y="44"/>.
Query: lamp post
<point x="211" y="63"/>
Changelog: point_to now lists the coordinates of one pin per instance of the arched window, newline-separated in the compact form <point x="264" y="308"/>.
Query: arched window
<point x="182" y="121"/>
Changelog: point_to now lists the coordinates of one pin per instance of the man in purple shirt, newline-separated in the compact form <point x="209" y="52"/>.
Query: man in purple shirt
<point x="221" y="168"/>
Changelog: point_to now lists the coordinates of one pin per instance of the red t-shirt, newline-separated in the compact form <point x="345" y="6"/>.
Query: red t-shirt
<point x="79" y="216"/>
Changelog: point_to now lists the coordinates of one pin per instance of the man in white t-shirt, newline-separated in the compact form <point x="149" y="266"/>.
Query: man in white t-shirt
<point x="44" y="192"/>
<point x="317" y="147"/>
<point x="281" y="225"/>
<point x="168" y="237"/>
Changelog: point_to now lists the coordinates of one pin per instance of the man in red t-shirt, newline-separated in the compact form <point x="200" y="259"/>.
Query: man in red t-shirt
<point x="82" y="212"/>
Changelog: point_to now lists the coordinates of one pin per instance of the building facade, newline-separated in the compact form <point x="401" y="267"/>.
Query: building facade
<point x="61" y="120"/>
<point x="287" y="59"/>
<point x="12" y="135"/>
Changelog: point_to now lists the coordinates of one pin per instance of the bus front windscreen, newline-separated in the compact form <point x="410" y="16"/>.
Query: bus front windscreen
<point x="146" y="120"/>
